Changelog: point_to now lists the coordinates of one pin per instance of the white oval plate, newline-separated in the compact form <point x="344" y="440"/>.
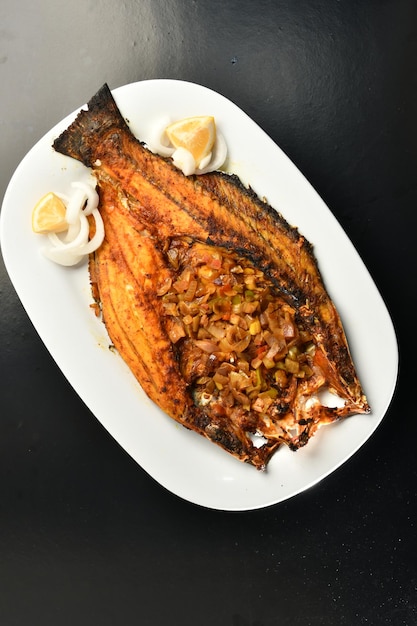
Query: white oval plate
<point x="57" y="301"/>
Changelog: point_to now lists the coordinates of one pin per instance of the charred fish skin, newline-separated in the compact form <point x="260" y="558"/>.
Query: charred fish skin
<point x="103" y="117"/>
<point x="146" y="201"/>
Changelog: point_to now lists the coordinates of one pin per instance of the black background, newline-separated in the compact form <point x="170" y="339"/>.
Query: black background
<point x="86" y="537"/>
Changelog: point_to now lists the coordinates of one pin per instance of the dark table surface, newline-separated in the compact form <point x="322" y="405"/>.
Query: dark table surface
<point x="86" y="536"/>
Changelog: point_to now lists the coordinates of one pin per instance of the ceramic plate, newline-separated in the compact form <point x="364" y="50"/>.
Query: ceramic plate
<point x="57" y="300"/>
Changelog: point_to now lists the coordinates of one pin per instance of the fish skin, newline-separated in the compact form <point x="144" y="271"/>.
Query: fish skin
<point x="144" y="202"/>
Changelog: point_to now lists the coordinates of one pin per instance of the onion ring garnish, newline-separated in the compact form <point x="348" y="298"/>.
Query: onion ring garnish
<point x="73" y="245"/>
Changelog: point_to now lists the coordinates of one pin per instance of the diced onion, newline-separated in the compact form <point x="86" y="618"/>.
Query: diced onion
<point x="246" y="360"/>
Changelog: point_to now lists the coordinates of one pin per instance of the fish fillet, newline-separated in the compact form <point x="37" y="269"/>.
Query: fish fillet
<point x="213" y="300"/>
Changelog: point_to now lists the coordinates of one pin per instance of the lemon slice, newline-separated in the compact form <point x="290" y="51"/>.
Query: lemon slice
<point x="195" y="134"/>
<point x="48" y="215"/>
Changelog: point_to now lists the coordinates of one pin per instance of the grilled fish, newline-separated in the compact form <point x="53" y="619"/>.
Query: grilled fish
<point x="213" y="300"/>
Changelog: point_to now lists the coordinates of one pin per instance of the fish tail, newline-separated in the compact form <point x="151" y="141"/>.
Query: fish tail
<point x="81" y="137"/>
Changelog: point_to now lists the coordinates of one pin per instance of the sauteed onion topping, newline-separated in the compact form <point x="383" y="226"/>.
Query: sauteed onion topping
<point x="239" y="343"/>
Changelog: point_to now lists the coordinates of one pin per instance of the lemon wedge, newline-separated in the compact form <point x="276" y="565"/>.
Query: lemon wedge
<point x="48" y="215"/>
<point x="195" y="134"/>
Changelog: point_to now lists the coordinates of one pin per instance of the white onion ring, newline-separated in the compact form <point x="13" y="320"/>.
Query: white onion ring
<point x="72" y="232"/>
<point x="80" y="240"/>
<point x="184" y="160"/>
<point x="96" y="241"/>
<point x="73" y="246"/>
<point x="62" y="256"/>
<point x="75" y="205"/>
<point x="91" y="196"/>
<point x="218" y="156"/>
<point x="158" y="142"/>
<point x="205" y="161"/>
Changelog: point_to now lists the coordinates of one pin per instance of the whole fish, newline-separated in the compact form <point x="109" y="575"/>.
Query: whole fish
<point x="213" y="300"/>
